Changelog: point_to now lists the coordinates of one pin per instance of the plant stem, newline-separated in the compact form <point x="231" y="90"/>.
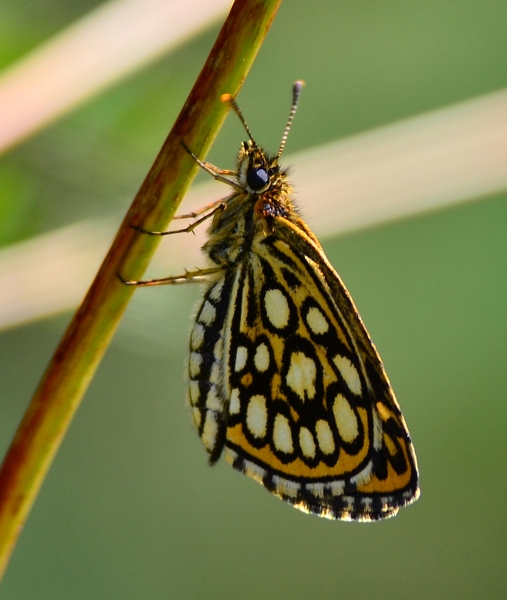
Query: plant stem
<point x="90" y="331"/>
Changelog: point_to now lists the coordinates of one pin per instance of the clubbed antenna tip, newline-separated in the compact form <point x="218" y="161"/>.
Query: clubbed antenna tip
<point x="296" y="94"/>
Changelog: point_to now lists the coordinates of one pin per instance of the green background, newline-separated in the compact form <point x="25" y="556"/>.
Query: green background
<point x="130" y="508"/>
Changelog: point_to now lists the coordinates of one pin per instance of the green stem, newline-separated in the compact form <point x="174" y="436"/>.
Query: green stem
<point x="90" y="331"/>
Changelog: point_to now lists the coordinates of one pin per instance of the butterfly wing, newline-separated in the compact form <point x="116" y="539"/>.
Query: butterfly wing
<point x="311" y="413"/>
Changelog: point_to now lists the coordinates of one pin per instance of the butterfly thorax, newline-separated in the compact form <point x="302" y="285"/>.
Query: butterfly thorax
<point x="262" y="194"/>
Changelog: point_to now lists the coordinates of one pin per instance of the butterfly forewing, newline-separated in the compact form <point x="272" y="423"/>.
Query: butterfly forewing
<point x="208" y="390"/>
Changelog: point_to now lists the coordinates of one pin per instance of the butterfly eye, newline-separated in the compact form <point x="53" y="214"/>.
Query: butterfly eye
<point x="257" y="179"/>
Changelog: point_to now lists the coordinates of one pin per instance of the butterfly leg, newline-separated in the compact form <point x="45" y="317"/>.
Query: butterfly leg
<point x="215" y="206"/>
<point x="200" y="211"/>
<point x="218" y="174"/>
<point x="196" y="276"/>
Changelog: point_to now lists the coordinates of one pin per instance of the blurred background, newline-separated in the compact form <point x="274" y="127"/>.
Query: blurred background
<point x="130" y="508"/>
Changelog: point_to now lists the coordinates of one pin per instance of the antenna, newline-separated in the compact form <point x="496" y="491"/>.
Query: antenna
<point x="296" y="94"/>
<point x="228" y="98"/>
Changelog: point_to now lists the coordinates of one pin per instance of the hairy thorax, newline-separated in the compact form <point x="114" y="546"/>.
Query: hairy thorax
<point x="250" y="212"/>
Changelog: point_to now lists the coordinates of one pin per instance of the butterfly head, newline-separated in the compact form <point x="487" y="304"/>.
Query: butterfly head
<point x="258" y="173"/>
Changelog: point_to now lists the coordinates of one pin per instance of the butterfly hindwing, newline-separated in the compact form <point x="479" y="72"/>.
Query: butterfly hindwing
<point x="305" y="417"/>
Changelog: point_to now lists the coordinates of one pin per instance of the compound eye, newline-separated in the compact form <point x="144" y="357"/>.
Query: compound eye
<point x="257" y="179"/>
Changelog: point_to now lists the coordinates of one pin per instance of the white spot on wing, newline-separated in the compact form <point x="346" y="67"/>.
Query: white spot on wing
<point x="197" y="417"/>
<point x="364" y="475"/>
<point x="230" y="456"/>
<point x="349" y="373"/>
<point x="197" y="337"/>
<point x="367" y="503"/>
<point x="207" y="313"/>
<point x="234" y="405"/>
<point x="241" y="356"/>
<point x="194" y="364"/>
<point x="210" y="431"/>
<point x="254" y="471"/>
<point x="277" y="308"/>
<point x="282" y="434"/>
<point x="346" y="420"/>
<point x="325" y="437"/>
<point x="216" y="291"/>
<point x="316" y="321"/>
<point x="257" y="416"/>
<point x="317" y="489"/>
<point x="261" y="359"/>
<point x="193" y="392"/>
<point x="337" y="487"/>
<point x="214" y="375"/>
<point x="218" y="349"/>
<point x="301" y="375"/>
<point x="307" y="442"/>
<point x="213" y="402"/>
<point x="286" y="487"/>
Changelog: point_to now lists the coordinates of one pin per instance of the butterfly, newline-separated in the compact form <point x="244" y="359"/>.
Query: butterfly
<point x="284" y="379"/>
